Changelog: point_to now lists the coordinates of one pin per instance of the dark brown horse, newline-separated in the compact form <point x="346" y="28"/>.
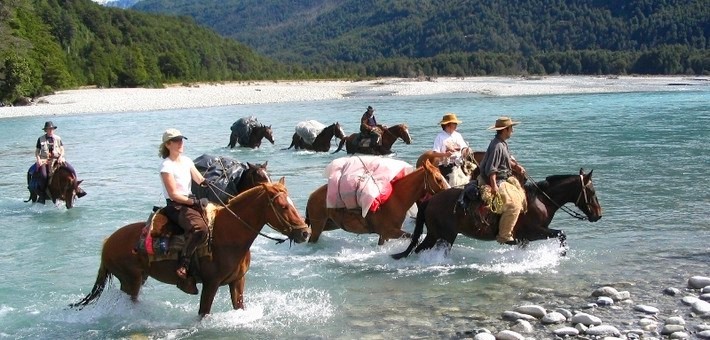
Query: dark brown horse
<point x="62" y="185"/>
<point x="445" y="219"/>
<point x="387" y="220"/>
<point x="236" y="226"/>
<point x="322" y="141"/>
<point x="257" y="133"/>
<point x="389" y="136"/>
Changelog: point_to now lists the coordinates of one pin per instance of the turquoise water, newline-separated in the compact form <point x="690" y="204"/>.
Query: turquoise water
<point x="648" y="150"/>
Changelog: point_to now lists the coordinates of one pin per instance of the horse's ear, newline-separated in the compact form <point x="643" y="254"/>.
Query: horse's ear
<point x="581" y="171"/>
<point x="282" y="181"/>
<point x="249" y="165"/>
<point x="265" y="164"/>
<point x="590" y="174"/>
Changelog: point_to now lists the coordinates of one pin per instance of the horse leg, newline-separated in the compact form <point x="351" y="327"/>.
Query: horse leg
<point x="131" y="283"/>
<point x="209" y="290"/>
<point x="236" y="287"/>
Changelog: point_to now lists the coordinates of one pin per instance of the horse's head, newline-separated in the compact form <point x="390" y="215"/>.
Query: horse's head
<point x="63" y="185"/>
<point x="269" y="134"/>
<point x="401" y="131"/>
<point x="338" y="131"/>
<point x="587" y="200"/>
<point x="434" y="181"/>
<point x="254" y="175"/>
<point x="283" y="215"/>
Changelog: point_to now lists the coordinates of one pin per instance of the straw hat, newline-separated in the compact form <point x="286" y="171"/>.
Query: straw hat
<point x="502" y="123"/>
<point x="49" y="125"/>
<point x="172" y="134"/>
<point x="449" y="118"/>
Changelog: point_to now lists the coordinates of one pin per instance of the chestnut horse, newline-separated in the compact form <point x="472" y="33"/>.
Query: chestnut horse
<point x="445" y="219"/>
<point x="258" y="132"/>
<point x="387" y="220"/>
<point x="389" y="136"/>
<point x="236" y="226"/>
<point x="62" y="185"/>
<point x="322" y="141"/>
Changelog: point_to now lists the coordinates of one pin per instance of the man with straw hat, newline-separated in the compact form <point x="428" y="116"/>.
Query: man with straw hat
<point x="49" y="150"/>
<point x="507" y="197"/>
<point x="449" y="142"/>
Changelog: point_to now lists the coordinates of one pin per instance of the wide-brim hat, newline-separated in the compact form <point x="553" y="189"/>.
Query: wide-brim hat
<point x="171" y="134"/>
<point x="370" y="109"/>
<point x="49" y="125"/>
<point x="449" y="118"/>
<point x="502" y="123"/>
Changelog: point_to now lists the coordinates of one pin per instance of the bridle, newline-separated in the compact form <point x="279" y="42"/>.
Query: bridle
<point x="569" y="211"/>
<point x="282" y="220"/>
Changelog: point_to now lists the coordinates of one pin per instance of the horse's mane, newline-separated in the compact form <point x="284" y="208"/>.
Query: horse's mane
<point x="242" y="196"/>
<point x="544" y="185"/>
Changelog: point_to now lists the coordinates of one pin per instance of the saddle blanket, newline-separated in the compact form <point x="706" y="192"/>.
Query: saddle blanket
<point x="362" y="181"/>
<point x="309" y="130"/>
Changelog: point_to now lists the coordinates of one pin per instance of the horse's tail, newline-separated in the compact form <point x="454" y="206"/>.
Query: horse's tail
<point x="340" y="145"/>
<point x="102" y="278"/>
<point x="418" y="230"/>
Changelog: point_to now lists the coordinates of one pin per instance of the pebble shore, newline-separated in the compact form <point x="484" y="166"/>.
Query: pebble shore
<point x="610" y="314"/>
<point x="95" y="100"/>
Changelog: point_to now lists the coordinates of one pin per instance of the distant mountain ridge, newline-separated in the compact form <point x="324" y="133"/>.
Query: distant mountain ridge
<point x="117" y="3"/>
<point x="366" y="30"/>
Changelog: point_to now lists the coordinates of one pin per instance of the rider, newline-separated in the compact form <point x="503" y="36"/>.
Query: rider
<point x="497" y="169"/>
<point x="449" y="142"/>
<point x="177" y="173"/>
<point x="369" y="128"/>
<point x="48" y="151"/>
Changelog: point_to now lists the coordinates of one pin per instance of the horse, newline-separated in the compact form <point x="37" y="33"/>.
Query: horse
<point x="445" y="219"/>
<point x="389" y="136"/>
<point x="62" y="185"/>
<point x="322" y="141"/>
<point x="236" y="226"/>
<point x="225" y="187"/>
<point x="387" y="220"/>
<point x="257" y="133"/>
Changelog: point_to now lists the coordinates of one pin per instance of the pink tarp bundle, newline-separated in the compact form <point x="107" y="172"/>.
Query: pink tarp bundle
<point x="362" y="181"/>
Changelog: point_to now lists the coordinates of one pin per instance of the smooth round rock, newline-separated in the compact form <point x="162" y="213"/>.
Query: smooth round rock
<point x="586" y="319"/>
<point x="566" y="331"/>
<point x="698" y="282"/>
<point x="534" y="310"/>
<point x="646" y="309"/>
<point x="603" y="330"/>
<point x="552" y="318"/>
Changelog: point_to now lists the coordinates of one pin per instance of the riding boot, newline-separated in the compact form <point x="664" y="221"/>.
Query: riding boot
<point x="187" y="284"/>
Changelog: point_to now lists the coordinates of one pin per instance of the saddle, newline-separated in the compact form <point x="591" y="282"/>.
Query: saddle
<point x="473" y="204"/>
<point x="162" y="238"/>
<point x="365" y="141"/>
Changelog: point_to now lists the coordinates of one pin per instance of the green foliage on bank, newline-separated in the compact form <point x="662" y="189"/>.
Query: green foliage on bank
<point x="56" y="44"/>
<point x="464" y="37"/>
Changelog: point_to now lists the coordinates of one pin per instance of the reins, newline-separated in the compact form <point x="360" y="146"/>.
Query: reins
<point x="569" y="211"/>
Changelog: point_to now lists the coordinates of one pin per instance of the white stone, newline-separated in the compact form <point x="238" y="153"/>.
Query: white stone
<point x="605" y="301"/>
<point x="679" y="335"/>
<point x="621" y="296"/>
<point x="671" y="291"/>
<point x="675" y="320"/>
<point x="566" y="331"/>
<point x="646" y="309"/>
<point x="705" y="297"/>
<point x="522" y="326"/>
<point x="698" y="282"/>
<point x="512" y="316"/>
<point x="566" y="313"/>
<point x="553" y="317"/>
<point x="534" y="310"/>
<point x="689" y="300"/>
<point x="605" y="291"/>
<point x="669" y="329"/>
<point x="581" y="327"/>
<point x="603" y="330"/>
<point x="509" y="335"/>
<point x="586" y="319"/>
<point x="701" y="307"/>
<point x="704" y="334"/>
<point x="705" y="289"/>
<point x="647" y="321"/>
<point x="484" y="336"/>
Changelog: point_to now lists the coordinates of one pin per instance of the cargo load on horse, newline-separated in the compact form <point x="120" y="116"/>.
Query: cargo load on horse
<point x="227" y="177"/>
<point x="248" y="132"/>
<point x="313" y="135"/>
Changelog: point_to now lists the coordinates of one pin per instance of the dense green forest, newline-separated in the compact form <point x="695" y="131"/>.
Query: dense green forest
<point x="55" y="44"/>
<point x="464" y="37"/>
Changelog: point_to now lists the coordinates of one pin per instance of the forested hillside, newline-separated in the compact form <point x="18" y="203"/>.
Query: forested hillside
<point x="462" y="37"/>
<point x="54" y="44"/>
